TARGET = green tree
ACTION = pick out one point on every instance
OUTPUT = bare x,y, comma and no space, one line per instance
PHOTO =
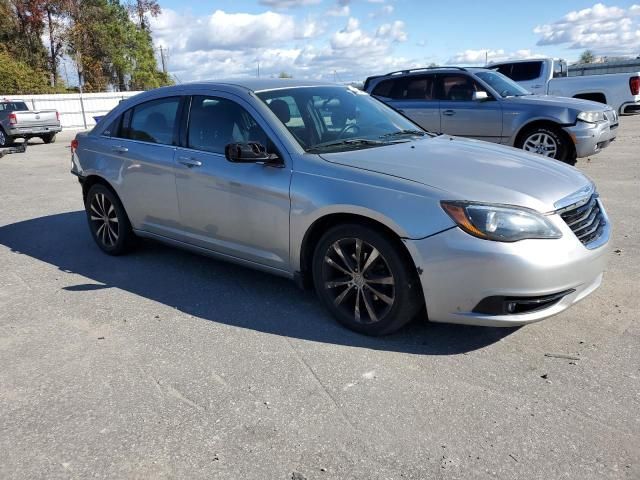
285,75
19,78
587,57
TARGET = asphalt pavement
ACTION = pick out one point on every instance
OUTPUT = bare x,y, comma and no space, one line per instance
164,364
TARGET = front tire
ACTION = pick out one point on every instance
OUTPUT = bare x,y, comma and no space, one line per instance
549,142
108,221
366,280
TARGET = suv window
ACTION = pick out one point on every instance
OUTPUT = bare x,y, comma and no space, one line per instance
215,122
414,87
457,88
153,121
525,71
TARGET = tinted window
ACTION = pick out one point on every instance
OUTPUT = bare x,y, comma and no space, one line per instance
458,88
383,89
503,69
14,106
525,71
153,121
216,122
415,87
113,130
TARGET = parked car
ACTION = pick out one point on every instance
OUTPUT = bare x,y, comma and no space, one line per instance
485,105
17,121
548,76
328,186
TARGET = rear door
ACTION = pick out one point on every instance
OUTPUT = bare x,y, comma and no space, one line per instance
236,209
461,115
414,96
141,145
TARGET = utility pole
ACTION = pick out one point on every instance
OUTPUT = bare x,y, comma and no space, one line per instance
486,57
164,63
80,71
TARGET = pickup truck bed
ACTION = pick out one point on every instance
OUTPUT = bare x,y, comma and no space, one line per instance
17,121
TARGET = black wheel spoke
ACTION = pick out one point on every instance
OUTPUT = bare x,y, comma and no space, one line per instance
366,298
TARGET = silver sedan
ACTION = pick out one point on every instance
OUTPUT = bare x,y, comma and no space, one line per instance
328,186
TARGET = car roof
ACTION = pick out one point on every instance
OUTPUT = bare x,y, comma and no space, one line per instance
261,84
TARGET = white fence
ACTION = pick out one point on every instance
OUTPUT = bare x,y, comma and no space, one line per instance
75,111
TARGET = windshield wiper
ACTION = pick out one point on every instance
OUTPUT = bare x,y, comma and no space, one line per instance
346,141
404,132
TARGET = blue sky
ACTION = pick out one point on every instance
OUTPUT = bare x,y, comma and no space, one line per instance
348,40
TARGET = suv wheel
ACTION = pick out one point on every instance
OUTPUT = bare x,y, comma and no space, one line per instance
548,142
108,222
365,281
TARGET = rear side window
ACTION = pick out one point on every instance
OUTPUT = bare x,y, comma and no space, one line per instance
415,87
215,122
383,89
153,121
503,69
525,71
14,106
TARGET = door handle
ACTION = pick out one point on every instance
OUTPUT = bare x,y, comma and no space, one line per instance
189,162
449,113
120,149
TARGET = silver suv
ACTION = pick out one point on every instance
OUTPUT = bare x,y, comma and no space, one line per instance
328,186
486,105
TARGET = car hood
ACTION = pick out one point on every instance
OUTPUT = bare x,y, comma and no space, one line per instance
471,170
561,102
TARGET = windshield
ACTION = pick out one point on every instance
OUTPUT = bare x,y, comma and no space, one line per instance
502,84
338,118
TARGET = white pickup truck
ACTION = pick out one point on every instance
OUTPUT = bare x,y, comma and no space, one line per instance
549,76
17,121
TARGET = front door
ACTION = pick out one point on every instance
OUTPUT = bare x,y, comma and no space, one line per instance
461,115
236,209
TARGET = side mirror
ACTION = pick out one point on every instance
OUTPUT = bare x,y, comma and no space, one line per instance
251,152
480,96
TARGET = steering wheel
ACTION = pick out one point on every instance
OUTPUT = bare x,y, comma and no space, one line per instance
350,126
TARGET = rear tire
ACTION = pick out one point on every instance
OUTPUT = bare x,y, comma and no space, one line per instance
365,279
5,140
548,142
51,138
108,221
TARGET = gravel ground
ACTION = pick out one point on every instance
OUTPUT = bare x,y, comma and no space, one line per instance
163,364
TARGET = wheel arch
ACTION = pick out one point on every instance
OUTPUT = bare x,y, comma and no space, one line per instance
91,180
599,97
314,233
541,123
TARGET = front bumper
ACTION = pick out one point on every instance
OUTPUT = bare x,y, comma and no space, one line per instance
591,138
458,271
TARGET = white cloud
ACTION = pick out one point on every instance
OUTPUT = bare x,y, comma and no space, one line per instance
384,11
225,44
282,4
603,29
339,11
477,57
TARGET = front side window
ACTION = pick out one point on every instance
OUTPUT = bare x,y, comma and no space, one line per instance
457,88
336,118
153,121
501,84
216,122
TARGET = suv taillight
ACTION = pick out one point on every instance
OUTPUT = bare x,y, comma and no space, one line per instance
74,145
634,85
13,119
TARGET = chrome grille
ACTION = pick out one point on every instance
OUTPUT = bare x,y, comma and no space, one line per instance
586,221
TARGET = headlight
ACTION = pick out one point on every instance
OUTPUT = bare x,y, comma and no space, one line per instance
591,117
499,222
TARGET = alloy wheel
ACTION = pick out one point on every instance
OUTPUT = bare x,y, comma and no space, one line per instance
104,218
3,138
359,280
542,144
